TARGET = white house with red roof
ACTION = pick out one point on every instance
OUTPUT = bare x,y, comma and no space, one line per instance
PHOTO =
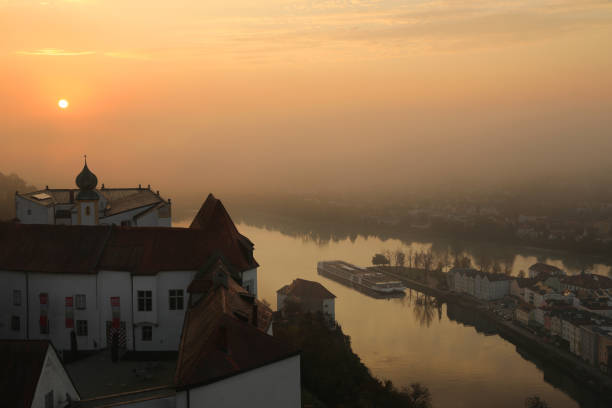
312,297
85,287
90,205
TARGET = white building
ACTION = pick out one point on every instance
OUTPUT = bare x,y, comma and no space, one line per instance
82,286
32,375
89,205
484,286
312,297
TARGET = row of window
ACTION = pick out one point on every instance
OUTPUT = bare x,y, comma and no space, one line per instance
80,301
145,300
81,326
175,300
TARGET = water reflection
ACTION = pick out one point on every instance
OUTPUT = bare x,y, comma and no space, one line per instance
514,258
414,338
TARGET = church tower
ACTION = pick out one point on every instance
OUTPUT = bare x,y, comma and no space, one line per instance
87,198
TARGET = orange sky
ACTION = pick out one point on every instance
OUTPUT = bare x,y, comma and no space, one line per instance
303,95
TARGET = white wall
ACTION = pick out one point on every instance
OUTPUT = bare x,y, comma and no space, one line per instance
82,207
249,280
58,287
10,281
171,321
53,377
39,214
115,284
274,385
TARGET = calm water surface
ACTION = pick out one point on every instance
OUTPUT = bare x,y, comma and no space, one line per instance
411,339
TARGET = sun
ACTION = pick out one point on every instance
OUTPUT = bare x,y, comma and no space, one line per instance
62,103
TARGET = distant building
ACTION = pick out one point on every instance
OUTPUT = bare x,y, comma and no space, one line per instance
89,205
484,286
32,375
83,286
312,297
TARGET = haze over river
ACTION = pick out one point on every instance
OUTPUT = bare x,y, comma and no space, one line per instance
411,339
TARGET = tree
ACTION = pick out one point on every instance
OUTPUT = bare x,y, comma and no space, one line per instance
380,259
399,257
535,402
427,260
419,395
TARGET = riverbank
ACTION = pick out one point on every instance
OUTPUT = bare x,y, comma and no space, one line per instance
571,365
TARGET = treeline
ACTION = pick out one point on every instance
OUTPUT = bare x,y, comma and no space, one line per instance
332,374
9,184
442,261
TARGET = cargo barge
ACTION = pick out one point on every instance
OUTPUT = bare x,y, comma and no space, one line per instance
371,283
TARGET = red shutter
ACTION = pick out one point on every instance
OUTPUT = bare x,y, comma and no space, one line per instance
116,310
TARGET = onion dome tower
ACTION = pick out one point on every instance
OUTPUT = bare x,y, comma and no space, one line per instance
87,182
87,199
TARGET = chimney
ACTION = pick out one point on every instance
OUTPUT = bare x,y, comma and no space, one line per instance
169,201
255,317
157,193
46,187
139,186
102,186
72,196
149,186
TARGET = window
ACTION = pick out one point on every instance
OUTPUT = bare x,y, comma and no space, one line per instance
87,211
16,297
145,301
176,299
81,328
29,212
126,223
147,333
80,301
15,323
49,399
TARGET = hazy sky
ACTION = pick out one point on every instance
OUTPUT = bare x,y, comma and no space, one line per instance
304,95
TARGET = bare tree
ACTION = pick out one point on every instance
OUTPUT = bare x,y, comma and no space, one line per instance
400,258
427,260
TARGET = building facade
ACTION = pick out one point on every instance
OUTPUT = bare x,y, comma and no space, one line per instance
90,205
84,287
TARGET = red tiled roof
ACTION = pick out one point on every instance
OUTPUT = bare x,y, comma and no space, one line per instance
545,268
588,281
51,248
302,288
143,251
220,338
21,363
213,216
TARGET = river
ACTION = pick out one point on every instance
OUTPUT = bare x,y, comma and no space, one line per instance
411,339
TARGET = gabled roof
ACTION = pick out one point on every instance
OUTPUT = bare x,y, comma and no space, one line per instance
21,364
223,335
306,289
118,200
213,216
141,251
